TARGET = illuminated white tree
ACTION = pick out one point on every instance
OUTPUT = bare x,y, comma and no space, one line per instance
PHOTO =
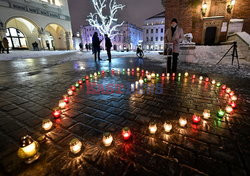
106,24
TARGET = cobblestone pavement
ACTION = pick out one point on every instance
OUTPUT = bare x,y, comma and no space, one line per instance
31,88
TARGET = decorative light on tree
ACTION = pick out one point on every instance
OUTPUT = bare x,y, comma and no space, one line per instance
106,24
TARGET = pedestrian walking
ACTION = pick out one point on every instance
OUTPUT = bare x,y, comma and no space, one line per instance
1,47
81,46
48,45
174,35
108,45
96,46
6,44
87,47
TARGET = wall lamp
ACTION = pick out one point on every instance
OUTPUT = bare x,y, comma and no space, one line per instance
204,8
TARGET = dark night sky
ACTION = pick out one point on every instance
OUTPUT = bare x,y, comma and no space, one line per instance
135,12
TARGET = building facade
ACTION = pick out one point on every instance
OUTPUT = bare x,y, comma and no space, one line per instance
46,22
210,21
153,32
128,36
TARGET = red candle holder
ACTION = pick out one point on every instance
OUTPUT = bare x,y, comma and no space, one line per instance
57,113
103,72
163,75
80,82
223,87
207,79
233,104
87,77
142,71
126,133
73,88
66,98
231,93
70,92
193,77
133,70
173,74
196,118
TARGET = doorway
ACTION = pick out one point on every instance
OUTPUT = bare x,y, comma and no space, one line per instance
210,35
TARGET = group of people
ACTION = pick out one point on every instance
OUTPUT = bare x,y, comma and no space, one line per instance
96,42
4,45
35,46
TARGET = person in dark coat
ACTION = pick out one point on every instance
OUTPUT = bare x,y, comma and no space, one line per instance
96,45
81,46
108,46
6,44
87,47
1,47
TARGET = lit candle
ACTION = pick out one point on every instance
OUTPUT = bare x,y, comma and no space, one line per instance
229,109
220,113
152,128
167,127
163,75
133,70
233,104
137,69
80,81
145,80
118,71
90,75
103,72
201,78
123,70
66,98
213,82
179,74
99,73
62,104
207,79
157,75
75,146
168,74
196,118
47,124
136,84
223,87
56,113
73,88
132,87
70,92
77,85
95,74
173,74
206,114
126,133
228,90
141,81
142,71
186,74
231,93
234,98
107,139
28,150
128,70
146,72
218,84
182,122
87,77
193,77
153,75
149,77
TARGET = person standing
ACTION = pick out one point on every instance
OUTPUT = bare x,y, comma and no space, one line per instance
96,46
81,46
87,47
6,44
108,45
1,47
174,35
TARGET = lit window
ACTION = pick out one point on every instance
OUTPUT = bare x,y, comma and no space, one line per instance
16,38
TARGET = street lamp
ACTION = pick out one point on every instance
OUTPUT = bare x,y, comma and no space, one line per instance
230,6
204,8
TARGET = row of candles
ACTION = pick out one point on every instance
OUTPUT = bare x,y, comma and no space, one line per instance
29,147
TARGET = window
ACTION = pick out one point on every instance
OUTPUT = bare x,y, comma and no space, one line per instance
156,38
147,31
152,39
152,30
156,31
161,30
147,39
16,38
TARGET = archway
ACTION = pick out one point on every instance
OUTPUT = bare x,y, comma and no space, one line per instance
21,33
55,37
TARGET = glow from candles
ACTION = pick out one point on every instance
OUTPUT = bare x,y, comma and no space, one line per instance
179,74
77,85
234,98
128,70
201,78
132,87
229,109
107,139
57,113
133,70
223,87
47,124
149,77
163,75
182,122
186,74
153,75
233,104
146,72
141,81
73,88
137,69
193,77
220,113
168,74
80,82
196,118
75,146
126,133
173,74
95,74
213,82
207,79
167,127
62,104
152,128
228,90
70,92
206,114
231,93
218,84
65,98
87,77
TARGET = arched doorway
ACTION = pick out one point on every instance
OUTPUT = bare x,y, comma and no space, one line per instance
210,35
55,37
21,33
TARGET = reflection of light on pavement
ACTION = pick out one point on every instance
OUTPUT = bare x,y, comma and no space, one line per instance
79,65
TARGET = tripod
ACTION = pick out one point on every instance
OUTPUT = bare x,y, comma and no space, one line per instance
234,54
